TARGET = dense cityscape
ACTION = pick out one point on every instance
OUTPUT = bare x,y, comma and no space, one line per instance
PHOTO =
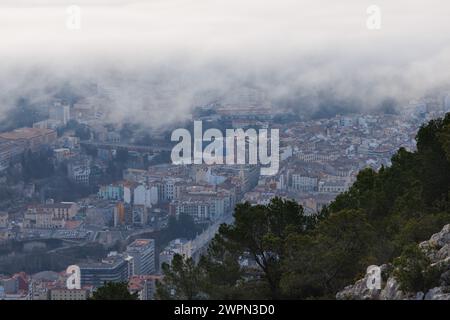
77,190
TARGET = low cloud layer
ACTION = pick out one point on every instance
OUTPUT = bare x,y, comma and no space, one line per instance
159,58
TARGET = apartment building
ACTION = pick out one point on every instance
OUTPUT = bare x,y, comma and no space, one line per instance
31,138
143,253
49,216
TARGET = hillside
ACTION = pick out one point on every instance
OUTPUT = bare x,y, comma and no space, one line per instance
421,273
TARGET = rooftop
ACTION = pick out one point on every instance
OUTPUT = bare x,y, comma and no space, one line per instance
25,133
110,262
65,205
140,243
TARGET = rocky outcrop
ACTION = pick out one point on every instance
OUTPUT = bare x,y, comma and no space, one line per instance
437,249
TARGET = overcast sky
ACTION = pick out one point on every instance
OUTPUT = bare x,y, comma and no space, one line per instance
289,47
219,27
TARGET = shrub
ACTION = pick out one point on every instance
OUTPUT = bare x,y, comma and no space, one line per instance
414,272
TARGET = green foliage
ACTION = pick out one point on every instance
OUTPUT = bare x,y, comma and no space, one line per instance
261,232
326,259
60,188
115,168
91,151
182,226
222,273
114,291
6,193
83,132
122,155
417,229
126,132
181,280
408,201
37,165
414,272
435,167
23,114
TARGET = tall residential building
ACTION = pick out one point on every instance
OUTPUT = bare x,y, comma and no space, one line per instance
114,268
143,253
145,195
59,111
119,214
111,192
139,215
249,176
303,183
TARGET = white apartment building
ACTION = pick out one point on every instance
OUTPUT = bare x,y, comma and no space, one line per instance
303,183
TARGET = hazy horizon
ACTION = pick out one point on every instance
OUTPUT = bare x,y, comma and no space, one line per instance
167,54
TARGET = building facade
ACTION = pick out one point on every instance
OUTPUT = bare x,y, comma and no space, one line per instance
49,216
143,253
111,269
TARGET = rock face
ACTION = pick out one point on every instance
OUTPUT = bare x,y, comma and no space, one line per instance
437,249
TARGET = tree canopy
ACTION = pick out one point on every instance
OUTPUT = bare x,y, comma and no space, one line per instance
114,291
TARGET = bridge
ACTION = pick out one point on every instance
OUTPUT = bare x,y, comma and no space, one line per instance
129,147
